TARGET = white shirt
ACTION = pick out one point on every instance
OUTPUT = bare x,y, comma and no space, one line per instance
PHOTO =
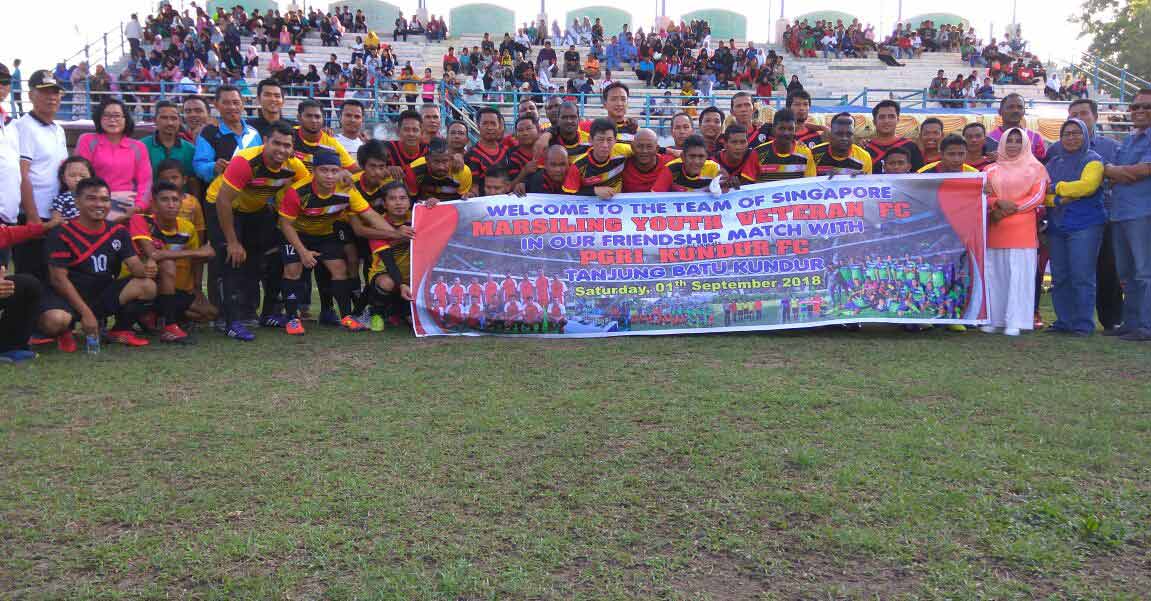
44,147
473,86
9,171
350,144
132,30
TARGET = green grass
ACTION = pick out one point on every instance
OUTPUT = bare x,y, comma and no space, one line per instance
802,465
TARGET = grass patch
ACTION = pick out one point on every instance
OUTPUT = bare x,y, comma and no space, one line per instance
798,465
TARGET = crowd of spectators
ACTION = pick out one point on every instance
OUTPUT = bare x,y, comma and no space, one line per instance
679,56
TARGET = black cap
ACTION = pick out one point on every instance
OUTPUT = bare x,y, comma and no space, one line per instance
42,80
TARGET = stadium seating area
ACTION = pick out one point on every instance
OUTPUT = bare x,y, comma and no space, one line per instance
827,80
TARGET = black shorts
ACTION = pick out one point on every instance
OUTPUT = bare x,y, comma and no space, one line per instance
343,230
103,300
183,301
330,247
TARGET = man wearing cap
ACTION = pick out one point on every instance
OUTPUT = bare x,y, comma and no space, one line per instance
43,147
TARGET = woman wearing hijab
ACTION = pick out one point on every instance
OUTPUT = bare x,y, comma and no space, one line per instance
1075,219
1017,185
274,65
252,62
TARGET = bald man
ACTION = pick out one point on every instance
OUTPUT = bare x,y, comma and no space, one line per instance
644,165
550,179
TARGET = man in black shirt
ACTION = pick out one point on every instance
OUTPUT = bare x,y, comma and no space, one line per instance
571,61
401,28
271,99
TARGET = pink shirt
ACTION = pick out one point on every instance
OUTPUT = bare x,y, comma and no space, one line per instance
1018,230
124,165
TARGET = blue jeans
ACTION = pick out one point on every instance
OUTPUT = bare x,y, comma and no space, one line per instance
1074,256
835,50
1133,262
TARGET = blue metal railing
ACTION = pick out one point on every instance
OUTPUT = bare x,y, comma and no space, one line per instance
1109,77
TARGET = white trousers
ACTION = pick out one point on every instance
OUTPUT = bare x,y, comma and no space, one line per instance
1011,287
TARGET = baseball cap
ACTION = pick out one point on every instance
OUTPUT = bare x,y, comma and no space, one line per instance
42,80
325,158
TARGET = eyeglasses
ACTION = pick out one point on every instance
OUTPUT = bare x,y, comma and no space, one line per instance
1141,106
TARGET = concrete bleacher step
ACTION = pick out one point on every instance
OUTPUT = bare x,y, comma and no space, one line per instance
829,79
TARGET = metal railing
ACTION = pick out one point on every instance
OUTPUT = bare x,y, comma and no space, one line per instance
1108,77
110,46
383,103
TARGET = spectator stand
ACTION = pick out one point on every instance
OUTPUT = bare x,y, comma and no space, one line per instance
835,83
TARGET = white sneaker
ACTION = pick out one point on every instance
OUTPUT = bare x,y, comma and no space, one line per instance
1011,332
989,330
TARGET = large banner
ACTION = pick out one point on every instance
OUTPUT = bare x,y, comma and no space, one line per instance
904,249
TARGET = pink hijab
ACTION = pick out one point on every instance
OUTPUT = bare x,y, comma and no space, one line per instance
274,64
1013,178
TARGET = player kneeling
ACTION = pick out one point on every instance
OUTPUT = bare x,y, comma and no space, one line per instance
309,211
173,243
84,260
389,279
557,316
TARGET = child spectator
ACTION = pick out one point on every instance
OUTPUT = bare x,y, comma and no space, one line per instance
72,170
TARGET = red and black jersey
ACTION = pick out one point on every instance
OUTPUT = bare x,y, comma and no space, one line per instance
808,137
397,156
637,180
878,151
735,167
757,137
982,163
517,157
538,183
479,160
93,257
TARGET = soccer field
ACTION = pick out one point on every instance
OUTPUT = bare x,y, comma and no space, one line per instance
802,465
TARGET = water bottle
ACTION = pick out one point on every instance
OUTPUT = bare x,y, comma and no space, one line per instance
92,344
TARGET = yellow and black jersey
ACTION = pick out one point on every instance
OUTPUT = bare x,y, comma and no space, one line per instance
858,161
577,147
672,177
935,168
625,130
373,196
256,183
771,165
314,214
392,258
585,174
305,150
146,230
452,187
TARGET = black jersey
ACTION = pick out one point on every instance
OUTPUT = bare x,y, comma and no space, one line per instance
93,257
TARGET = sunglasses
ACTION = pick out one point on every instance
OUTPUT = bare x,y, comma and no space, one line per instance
5,81
1141,107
